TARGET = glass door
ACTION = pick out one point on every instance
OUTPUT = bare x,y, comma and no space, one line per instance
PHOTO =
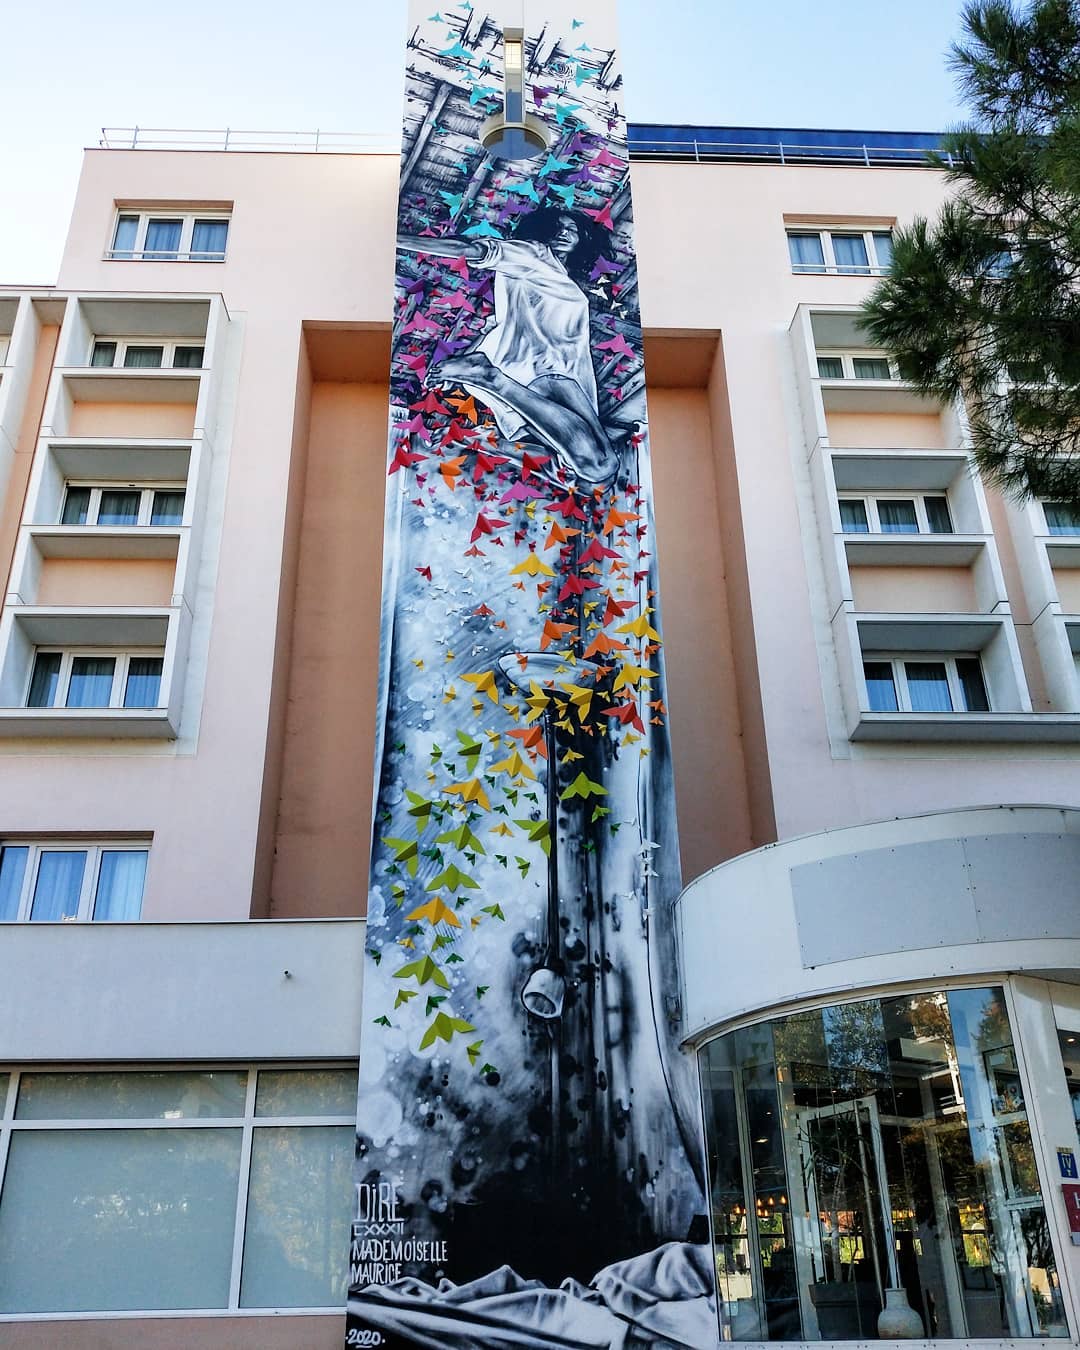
841,1156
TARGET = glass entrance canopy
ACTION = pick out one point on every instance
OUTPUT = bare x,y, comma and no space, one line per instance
874,1146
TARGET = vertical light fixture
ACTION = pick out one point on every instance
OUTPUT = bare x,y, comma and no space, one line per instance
511,134
514,74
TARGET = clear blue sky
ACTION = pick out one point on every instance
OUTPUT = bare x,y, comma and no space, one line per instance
73,67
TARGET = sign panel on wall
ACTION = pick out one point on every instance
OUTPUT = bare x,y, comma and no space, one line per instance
528,1169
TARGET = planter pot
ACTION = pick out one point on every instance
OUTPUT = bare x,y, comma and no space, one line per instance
898,1320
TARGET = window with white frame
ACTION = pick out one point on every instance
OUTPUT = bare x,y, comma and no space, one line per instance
931,683
909,513
179,1189
5,342
169,236
856,365
840,252
67,882
131,504
142,353
75,677
1061,517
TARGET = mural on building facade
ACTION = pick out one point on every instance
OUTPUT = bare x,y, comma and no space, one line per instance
528,1169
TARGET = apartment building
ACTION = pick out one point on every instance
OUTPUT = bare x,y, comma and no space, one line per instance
874,698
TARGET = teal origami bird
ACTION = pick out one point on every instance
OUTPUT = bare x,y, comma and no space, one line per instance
483,230
554,165
524,190
565,194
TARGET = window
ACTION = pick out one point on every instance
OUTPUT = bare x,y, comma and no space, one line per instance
925,684
921,513
176,1189
59,882
4,344
1061,518
840,252
130,505
857,365
146,354
95,679
170,236
875,1144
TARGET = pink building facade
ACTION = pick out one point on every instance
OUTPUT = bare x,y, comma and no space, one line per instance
874,708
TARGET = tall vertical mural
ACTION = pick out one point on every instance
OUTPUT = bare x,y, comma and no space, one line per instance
528,1169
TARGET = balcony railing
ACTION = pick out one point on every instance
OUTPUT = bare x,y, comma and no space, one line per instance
700,144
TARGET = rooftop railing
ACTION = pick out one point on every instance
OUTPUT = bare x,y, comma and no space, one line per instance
699,144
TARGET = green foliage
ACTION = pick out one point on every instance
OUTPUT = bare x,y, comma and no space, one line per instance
983,304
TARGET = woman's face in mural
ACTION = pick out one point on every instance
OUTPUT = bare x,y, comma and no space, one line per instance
567,237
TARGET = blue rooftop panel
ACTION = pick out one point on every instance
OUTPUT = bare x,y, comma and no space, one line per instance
783,144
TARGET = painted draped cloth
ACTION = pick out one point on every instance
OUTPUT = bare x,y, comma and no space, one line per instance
659,1301
541,325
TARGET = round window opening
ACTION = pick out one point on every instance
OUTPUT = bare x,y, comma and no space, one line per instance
503,139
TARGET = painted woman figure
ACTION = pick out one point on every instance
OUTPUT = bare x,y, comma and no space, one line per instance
534,368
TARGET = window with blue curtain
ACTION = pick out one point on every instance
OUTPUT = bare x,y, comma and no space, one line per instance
880,686
91,682
162,239
143,682
127,231
119,507
937,515
897,517
928,686
12,870
849,250
58,885
76,506
853,517
208,240
143,358
1061,519
806,252
168,508
883,248
44,680
871,368
120,886
972,684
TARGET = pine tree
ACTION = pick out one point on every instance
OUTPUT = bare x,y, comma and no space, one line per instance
983,304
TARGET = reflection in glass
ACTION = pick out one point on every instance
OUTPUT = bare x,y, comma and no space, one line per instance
306,1092
165,1095
1069,1041
870,1146
133,1218
298,1217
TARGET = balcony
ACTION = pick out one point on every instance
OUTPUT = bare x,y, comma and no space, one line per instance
102,633
970,681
